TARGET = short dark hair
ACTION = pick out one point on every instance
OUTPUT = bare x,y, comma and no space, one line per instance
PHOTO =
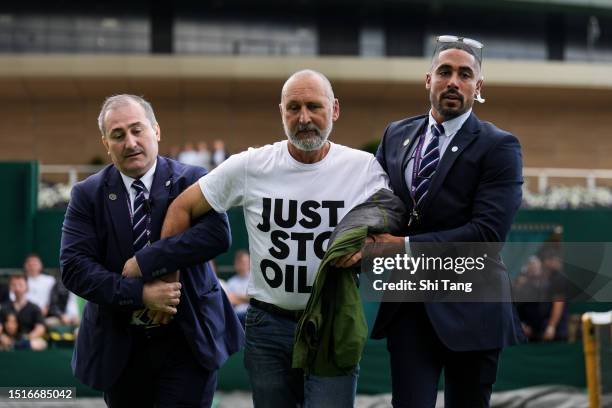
5,316
240,253
17,276
32,255
458,45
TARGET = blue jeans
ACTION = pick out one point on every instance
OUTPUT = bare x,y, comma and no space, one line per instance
267,358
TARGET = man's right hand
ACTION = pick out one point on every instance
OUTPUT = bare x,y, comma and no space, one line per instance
158,317
351,259
161,296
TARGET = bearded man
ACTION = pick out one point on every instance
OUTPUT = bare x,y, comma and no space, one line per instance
293,192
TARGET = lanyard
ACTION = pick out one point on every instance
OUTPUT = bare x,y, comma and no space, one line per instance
417,163
414,215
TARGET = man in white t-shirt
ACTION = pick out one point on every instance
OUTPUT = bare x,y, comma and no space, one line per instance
39,284
293,192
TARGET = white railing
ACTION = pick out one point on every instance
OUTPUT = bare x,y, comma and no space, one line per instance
543,174
72,171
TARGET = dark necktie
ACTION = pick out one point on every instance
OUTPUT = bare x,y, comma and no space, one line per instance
140,234
139,217
428,165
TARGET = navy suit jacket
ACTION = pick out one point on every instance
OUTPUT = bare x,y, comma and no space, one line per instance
473,197
96,242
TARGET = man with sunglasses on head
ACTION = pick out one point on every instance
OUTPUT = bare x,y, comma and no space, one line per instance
460,179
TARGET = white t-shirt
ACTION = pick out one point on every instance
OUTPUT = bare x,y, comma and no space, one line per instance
39,290
239,285
290,211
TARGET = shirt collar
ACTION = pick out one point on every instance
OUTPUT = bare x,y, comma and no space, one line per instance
451,127
147,179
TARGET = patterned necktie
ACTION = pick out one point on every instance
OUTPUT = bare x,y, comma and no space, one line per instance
428,165
140,238
139,217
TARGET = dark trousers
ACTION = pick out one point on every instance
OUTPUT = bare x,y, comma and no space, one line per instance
267,358
162,372
418,357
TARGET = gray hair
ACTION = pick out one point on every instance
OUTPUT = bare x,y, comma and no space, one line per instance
311,72
116,101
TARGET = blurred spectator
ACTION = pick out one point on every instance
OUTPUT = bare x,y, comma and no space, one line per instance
30,327
219,153
203,155
11,338
526,286
4,293
39,284
188,155
63,307
556,326
9,331
237,285
174,152
541,279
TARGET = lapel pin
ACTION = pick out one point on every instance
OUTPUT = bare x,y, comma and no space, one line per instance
454,149
112,196
406,142
167,183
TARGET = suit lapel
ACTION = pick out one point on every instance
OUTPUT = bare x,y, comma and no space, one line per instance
116,201
160,191
466,135
405,143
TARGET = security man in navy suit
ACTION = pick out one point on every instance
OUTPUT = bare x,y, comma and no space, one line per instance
460,179
157,337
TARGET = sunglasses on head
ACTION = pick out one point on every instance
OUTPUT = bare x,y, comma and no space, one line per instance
453,38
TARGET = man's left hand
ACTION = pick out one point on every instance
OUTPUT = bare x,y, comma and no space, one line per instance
131,269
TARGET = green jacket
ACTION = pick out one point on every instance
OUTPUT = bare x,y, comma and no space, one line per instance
332,332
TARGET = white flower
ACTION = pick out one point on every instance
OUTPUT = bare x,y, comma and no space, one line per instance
55,195
560,197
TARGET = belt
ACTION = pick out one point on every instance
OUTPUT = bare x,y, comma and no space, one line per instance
294,315
154,332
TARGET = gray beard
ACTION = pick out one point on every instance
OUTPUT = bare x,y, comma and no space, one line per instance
311,143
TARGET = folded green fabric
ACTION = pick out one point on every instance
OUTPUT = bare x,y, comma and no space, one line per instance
332,332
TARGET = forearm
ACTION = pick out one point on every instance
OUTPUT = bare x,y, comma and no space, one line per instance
96,284
182,246
38,331
209,238
187,207
240,299
556,313
178,219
